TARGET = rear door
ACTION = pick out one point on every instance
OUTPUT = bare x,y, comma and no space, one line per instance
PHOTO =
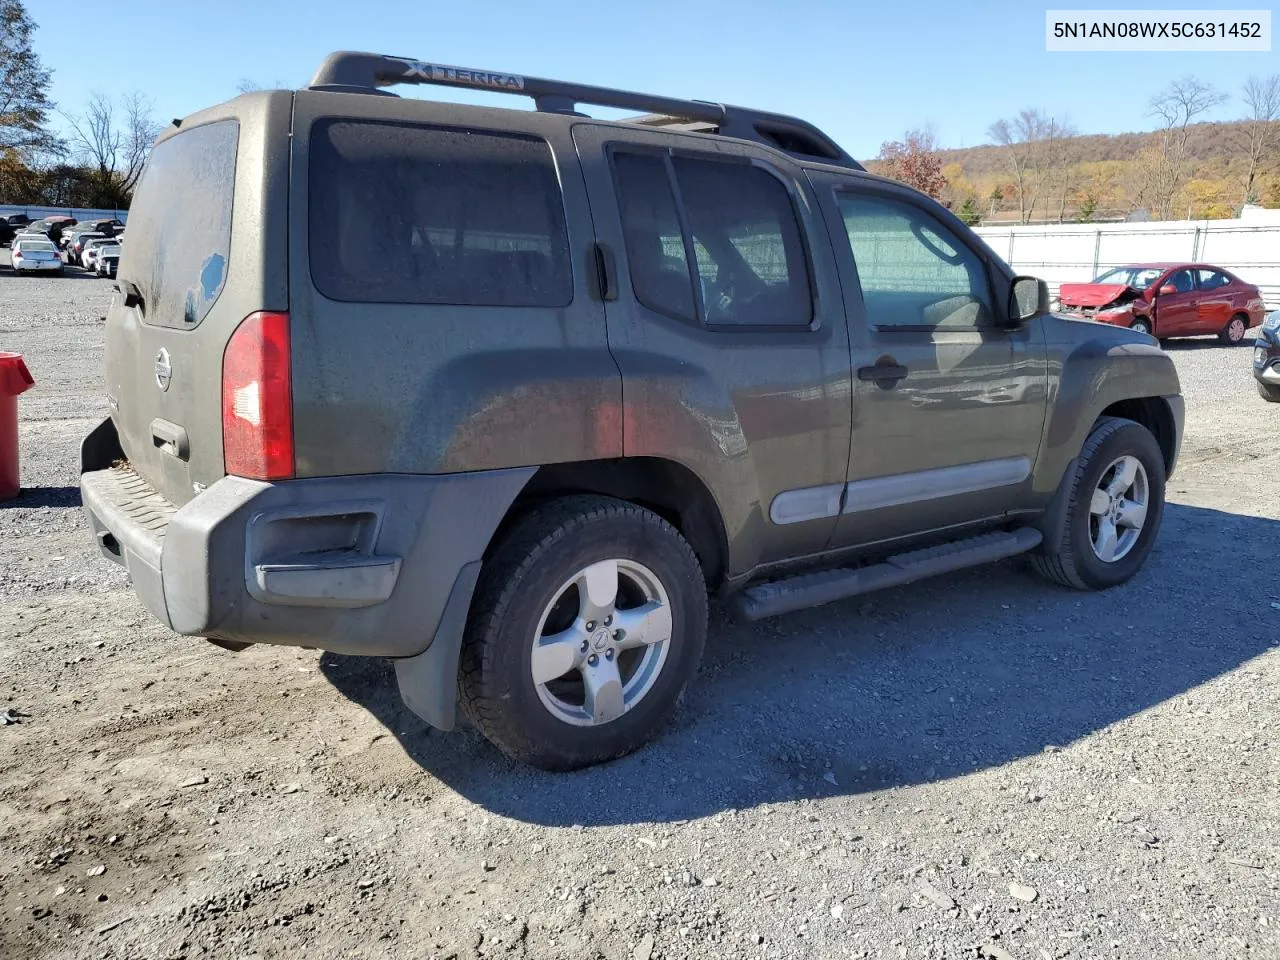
1177,313
727,323
1217,300
206,234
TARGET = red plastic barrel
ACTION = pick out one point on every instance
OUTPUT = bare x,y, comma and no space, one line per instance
14,379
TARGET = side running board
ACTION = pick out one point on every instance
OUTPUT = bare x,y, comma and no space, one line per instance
825,586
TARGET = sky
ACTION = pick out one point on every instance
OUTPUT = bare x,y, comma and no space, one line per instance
863,72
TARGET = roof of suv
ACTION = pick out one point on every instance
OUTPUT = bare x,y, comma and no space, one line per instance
370,74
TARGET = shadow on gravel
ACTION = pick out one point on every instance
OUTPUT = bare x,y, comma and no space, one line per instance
1203,343
44,497
903,687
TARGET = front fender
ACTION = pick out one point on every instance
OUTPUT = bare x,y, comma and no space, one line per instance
1091,367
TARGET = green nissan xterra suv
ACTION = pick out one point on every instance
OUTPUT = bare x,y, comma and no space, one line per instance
503,394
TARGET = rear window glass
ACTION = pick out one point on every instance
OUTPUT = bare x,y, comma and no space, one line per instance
180,224
410,214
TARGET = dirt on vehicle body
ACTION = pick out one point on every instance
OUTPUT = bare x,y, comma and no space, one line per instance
503,395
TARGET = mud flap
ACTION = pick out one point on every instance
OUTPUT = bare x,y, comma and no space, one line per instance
429,682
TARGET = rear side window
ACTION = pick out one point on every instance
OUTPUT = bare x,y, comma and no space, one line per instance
737,224
411,214
180,224
1212,279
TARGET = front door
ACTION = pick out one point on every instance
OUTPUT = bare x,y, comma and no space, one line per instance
949,401
1177,312
724,315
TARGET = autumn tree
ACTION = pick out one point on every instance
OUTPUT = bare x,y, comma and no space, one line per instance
1260,135
113,140
1176,108
968,213
913,160
24,84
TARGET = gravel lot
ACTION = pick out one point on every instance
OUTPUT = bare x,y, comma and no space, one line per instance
981,766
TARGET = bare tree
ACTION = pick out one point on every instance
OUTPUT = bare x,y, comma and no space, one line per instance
1261,132
1060,162
113,142
1176,107
1024,142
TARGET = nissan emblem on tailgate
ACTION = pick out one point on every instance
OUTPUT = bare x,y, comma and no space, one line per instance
164,369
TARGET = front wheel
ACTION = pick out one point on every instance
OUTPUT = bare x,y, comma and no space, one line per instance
1113,512
1268,392
1233,333
1141,326
587,624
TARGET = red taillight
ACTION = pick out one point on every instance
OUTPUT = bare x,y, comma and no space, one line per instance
257,400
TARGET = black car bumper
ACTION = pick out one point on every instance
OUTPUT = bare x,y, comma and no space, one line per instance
1266,356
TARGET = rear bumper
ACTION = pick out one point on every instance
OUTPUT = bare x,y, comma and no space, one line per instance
356,565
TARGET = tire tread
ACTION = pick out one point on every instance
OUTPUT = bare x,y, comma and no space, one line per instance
501,581
1056,563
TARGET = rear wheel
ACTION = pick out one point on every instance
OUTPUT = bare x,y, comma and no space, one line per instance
1269,393
1114,509
588,623
1141,326
1233,332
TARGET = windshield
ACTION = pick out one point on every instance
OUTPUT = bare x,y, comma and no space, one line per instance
1137,277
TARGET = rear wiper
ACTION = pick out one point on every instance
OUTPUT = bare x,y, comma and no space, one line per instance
132,295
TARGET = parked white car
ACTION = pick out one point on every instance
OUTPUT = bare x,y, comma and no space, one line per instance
89,255
35,256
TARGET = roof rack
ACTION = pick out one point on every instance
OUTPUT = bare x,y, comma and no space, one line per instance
351,72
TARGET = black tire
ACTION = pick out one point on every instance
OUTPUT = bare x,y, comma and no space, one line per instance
535,558
1233,333
1269,393
1071,561
1141,326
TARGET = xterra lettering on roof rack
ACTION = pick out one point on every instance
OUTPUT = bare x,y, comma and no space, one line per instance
351,72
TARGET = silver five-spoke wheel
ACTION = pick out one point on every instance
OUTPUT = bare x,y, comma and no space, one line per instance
1118,509
601,642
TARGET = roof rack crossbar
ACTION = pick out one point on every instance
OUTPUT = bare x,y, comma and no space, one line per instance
371,72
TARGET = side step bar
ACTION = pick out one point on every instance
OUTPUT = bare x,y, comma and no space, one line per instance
825,586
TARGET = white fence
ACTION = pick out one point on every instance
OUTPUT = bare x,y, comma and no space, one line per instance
1072,252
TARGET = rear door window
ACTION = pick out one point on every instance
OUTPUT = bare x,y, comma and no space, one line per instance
401,213
1212,279
180,224
734,221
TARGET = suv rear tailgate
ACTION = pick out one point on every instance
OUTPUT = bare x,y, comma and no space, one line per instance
206,248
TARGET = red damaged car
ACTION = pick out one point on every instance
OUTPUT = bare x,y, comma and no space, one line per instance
1168,300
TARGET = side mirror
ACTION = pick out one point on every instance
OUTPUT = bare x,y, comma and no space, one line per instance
1168,290
1028,297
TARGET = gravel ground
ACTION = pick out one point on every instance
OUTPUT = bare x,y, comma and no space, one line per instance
980,766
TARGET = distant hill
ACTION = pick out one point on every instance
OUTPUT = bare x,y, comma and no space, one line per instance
1100,176
1207,143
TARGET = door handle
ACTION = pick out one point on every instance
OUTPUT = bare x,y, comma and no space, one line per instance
885,374
171,439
